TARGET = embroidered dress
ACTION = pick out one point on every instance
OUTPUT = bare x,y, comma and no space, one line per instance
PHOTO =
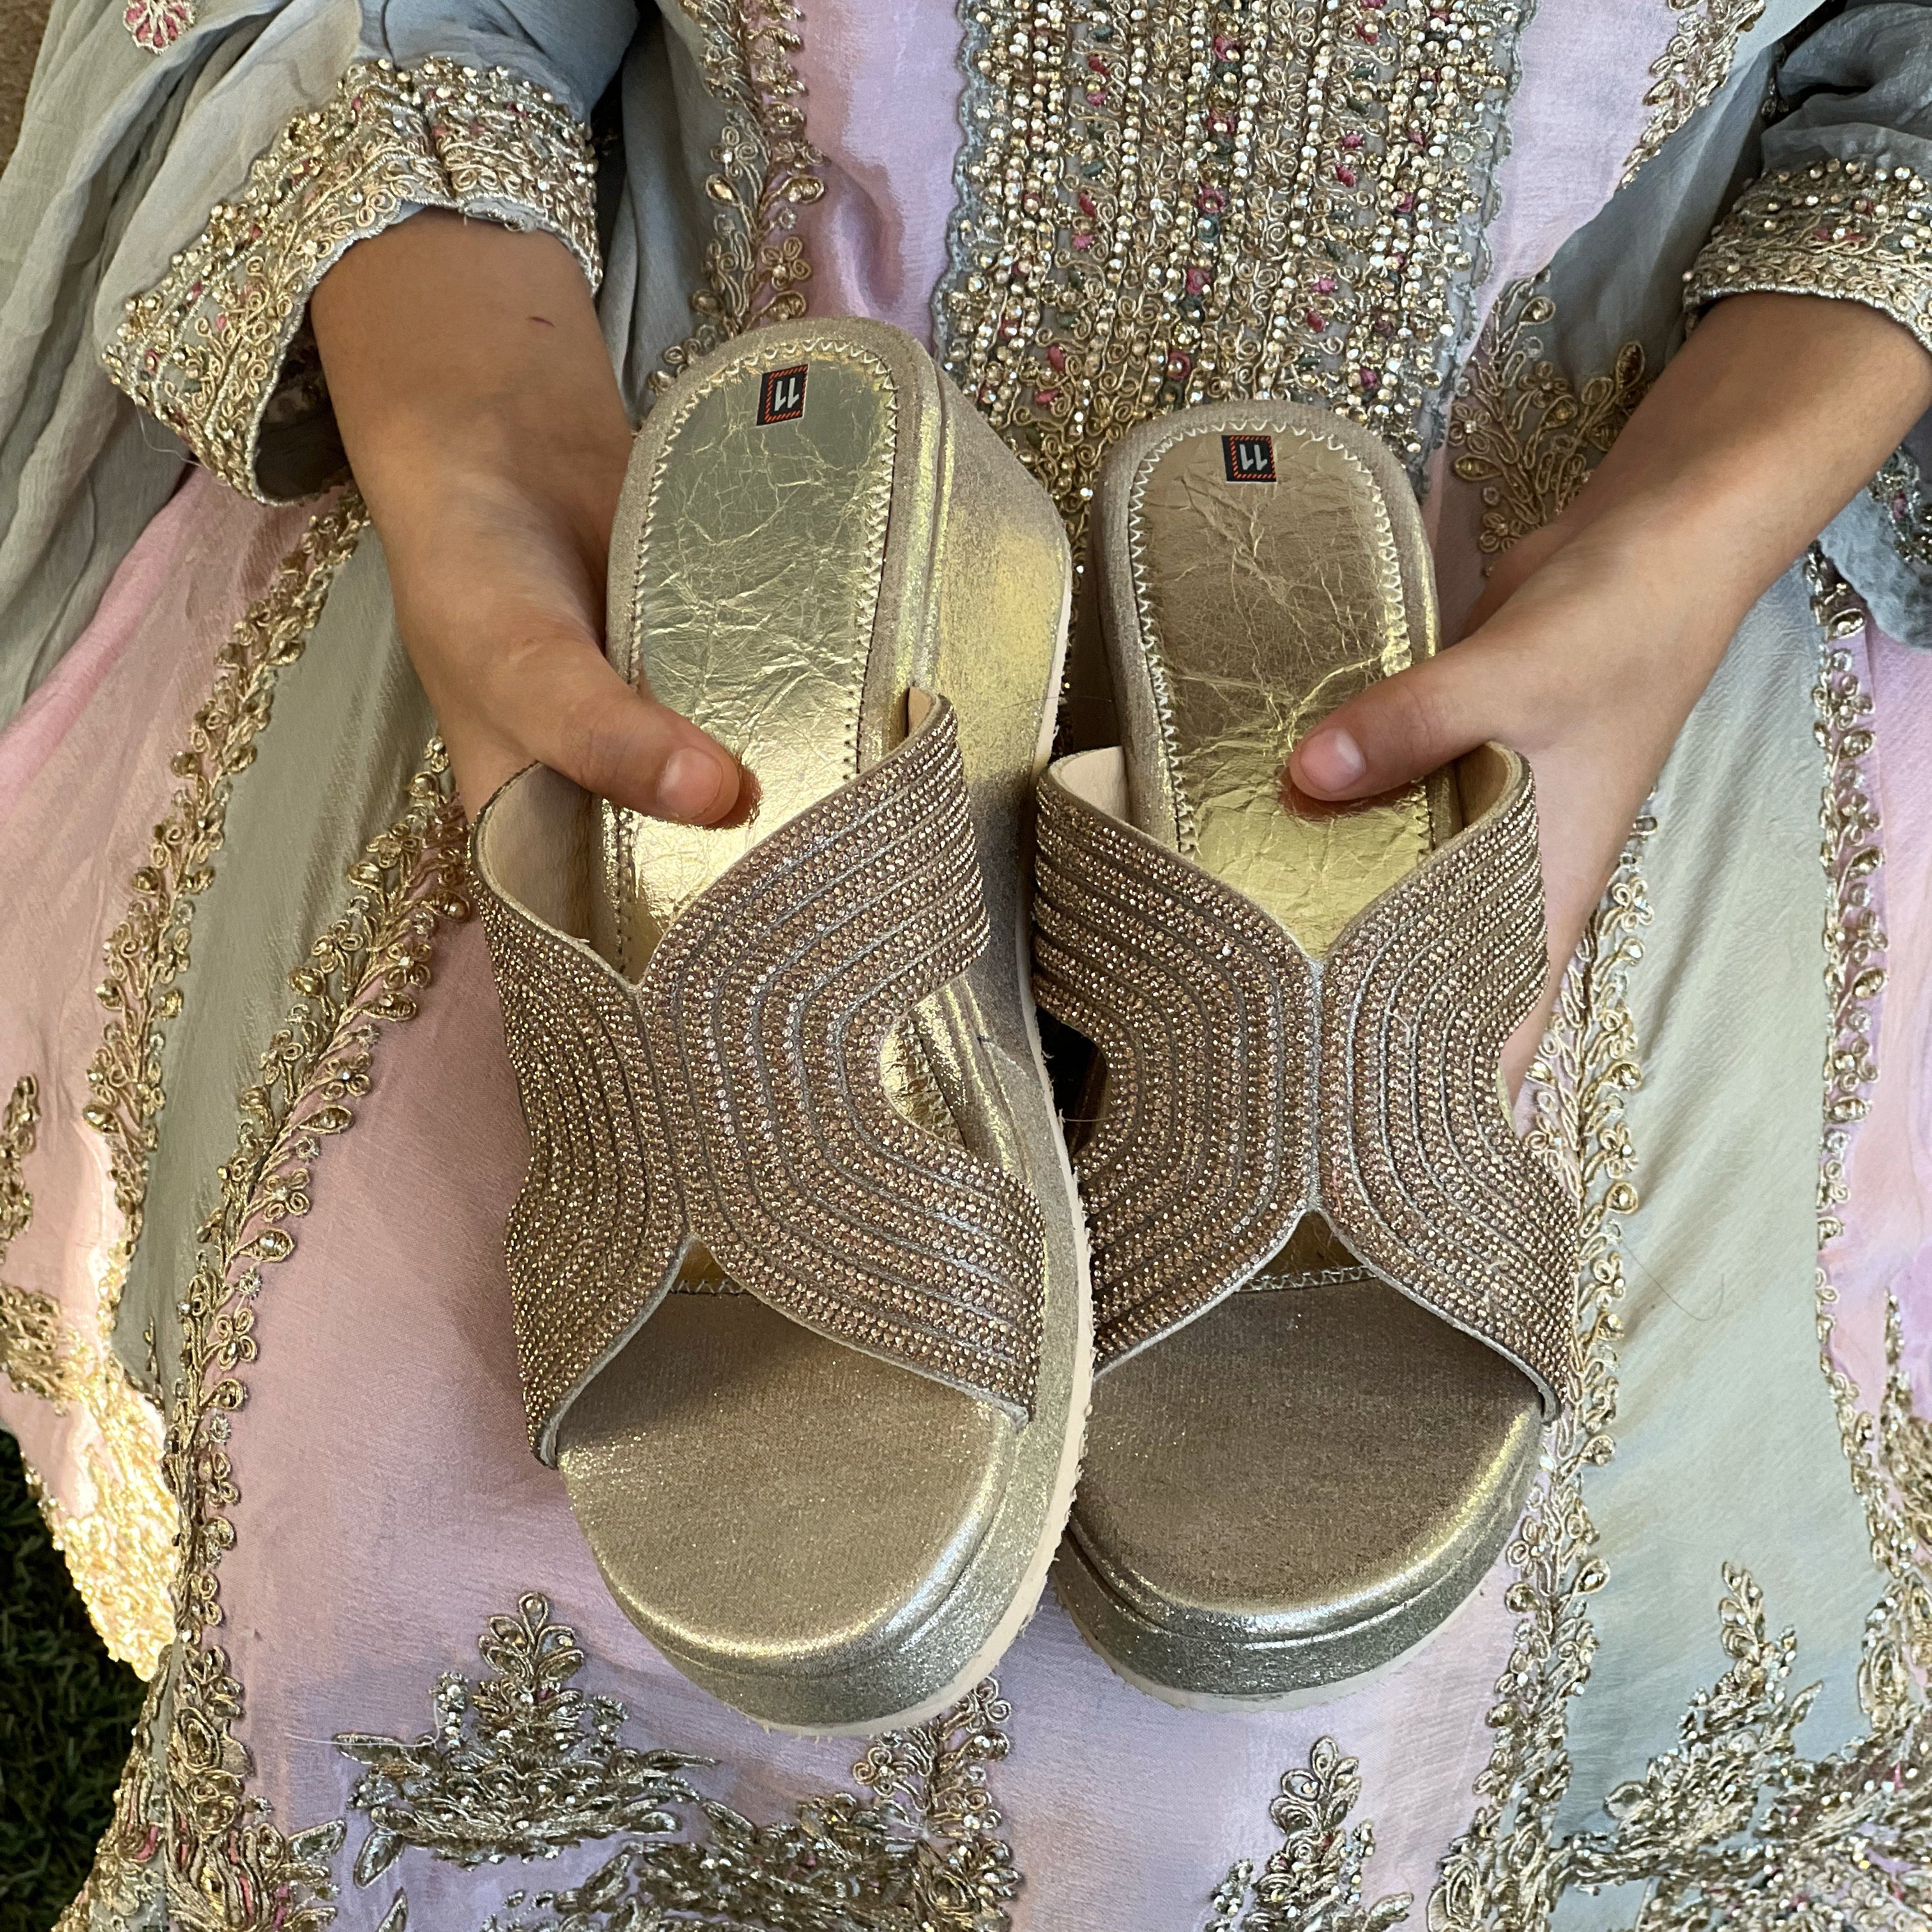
258,1131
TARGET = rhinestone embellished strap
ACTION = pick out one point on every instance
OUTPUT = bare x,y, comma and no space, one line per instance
735,1096
208,349
1423,1173
1850,230
1246,1084
1200,1162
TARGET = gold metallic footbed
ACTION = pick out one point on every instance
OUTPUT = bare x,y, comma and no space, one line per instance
1295,1468
820,1431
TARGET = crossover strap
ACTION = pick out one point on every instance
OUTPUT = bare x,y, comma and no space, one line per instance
1423,1173
746,1069
1245,1083
1200,1159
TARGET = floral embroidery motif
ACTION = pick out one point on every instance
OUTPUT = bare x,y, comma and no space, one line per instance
1695,63
519,1765
522,1765
204,350
1842,228
1314,1882
1169,204
1505,1872
1899,490
187,1828
156,25
118,1543
1520,430
1734,1827
147,953
766,170
34,1356
921,1854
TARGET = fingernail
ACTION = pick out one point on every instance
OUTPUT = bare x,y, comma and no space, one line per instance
1330,760
691,786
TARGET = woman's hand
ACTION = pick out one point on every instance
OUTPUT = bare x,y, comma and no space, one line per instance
475,398
1598,635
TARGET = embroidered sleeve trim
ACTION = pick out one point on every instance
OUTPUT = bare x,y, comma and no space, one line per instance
1847,229
219,350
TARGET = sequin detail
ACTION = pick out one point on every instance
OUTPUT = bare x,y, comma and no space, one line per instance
734,1095
1520,430
523,1764
1899,490
1422,1171
765,170
204,350
1201,1160
1841,229
1695,63
1174,203
1313,1883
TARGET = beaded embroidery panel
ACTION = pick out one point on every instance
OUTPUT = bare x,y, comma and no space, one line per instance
1173,203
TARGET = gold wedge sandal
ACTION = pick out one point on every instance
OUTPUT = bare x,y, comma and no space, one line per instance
1299,1014
798,1268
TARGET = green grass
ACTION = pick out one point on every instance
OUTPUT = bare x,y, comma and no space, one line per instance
66,1710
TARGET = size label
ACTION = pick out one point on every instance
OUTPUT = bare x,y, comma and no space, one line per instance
781,395
1250,459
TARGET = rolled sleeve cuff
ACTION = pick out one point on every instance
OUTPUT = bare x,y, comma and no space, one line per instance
1852,230
219,349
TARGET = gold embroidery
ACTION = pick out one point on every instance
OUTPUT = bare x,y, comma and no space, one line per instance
1886,1461
766,171
1315,1879
520,1766
186,1827
1899,490
921,1854
1521,431
1851,852
1504,1873
1841,229
204,349
34,1356
1695,63
1733,1828
147,952
120,1550
119,1546
1168,204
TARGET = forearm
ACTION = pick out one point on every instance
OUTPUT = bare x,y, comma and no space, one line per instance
450,343
1775,411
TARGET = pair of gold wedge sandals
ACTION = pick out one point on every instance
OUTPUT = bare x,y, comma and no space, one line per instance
809,1310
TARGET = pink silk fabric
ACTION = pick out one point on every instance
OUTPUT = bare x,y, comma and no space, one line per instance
388,1505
